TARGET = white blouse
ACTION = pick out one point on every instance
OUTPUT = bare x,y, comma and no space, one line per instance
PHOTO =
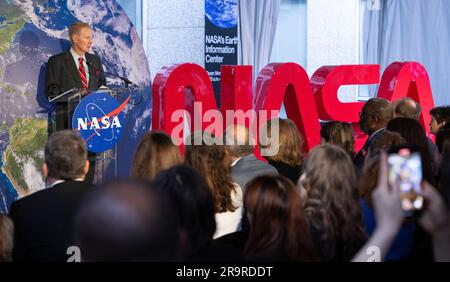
230,221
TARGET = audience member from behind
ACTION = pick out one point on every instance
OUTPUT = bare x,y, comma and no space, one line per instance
340,134
440,117
443,148
194,205
443,142
369,177
435,219
127,220
331,204
325,131
290,156
368,181
383,143
6,238
195,208
406,107
278,227
374,116
43,220
402,246
245,165
214,164
415,135
154,153
444,180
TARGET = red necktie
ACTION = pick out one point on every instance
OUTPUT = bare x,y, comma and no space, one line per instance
82,73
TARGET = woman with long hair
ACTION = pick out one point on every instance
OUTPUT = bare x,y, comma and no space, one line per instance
214,163
331,204
278,227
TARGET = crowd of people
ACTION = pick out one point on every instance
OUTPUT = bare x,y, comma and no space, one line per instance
222,203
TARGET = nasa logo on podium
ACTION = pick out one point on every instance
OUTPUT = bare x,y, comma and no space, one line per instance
100,119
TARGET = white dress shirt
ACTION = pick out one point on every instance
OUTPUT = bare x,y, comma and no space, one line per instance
77,62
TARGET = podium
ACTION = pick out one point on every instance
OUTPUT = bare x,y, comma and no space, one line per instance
66,104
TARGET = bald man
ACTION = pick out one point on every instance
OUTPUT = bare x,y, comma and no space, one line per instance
406,107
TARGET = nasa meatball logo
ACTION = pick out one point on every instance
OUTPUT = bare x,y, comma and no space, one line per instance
100,119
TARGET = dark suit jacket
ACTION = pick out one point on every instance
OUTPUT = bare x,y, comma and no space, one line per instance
358,161
43,222
62,75
249,167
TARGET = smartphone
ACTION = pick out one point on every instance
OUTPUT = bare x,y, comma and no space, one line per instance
405,170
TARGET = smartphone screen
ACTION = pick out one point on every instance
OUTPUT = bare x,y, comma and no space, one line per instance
405,169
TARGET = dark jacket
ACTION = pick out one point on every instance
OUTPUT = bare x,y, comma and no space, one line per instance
43,222
62,73
291,172
358,161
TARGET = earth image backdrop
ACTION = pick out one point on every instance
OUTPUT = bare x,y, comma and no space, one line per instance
32,31
222,13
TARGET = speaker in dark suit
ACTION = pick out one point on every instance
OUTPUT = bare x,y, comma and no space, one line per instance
43,220
75,68
63,74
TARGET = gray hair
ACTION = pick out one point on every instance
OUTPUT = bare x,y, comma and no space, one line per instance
65,155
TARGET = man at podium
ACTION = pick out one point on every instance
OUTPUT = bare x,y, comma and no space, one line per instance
75,68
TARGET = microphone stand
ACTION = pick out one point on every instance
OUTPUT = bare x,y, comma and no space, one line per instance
125,80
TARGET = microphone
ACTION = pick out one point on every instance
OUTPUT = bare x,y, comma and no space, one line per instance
99,71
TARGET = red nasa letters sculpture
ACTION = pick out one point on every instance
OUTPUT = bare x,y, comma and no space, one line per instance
178,86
